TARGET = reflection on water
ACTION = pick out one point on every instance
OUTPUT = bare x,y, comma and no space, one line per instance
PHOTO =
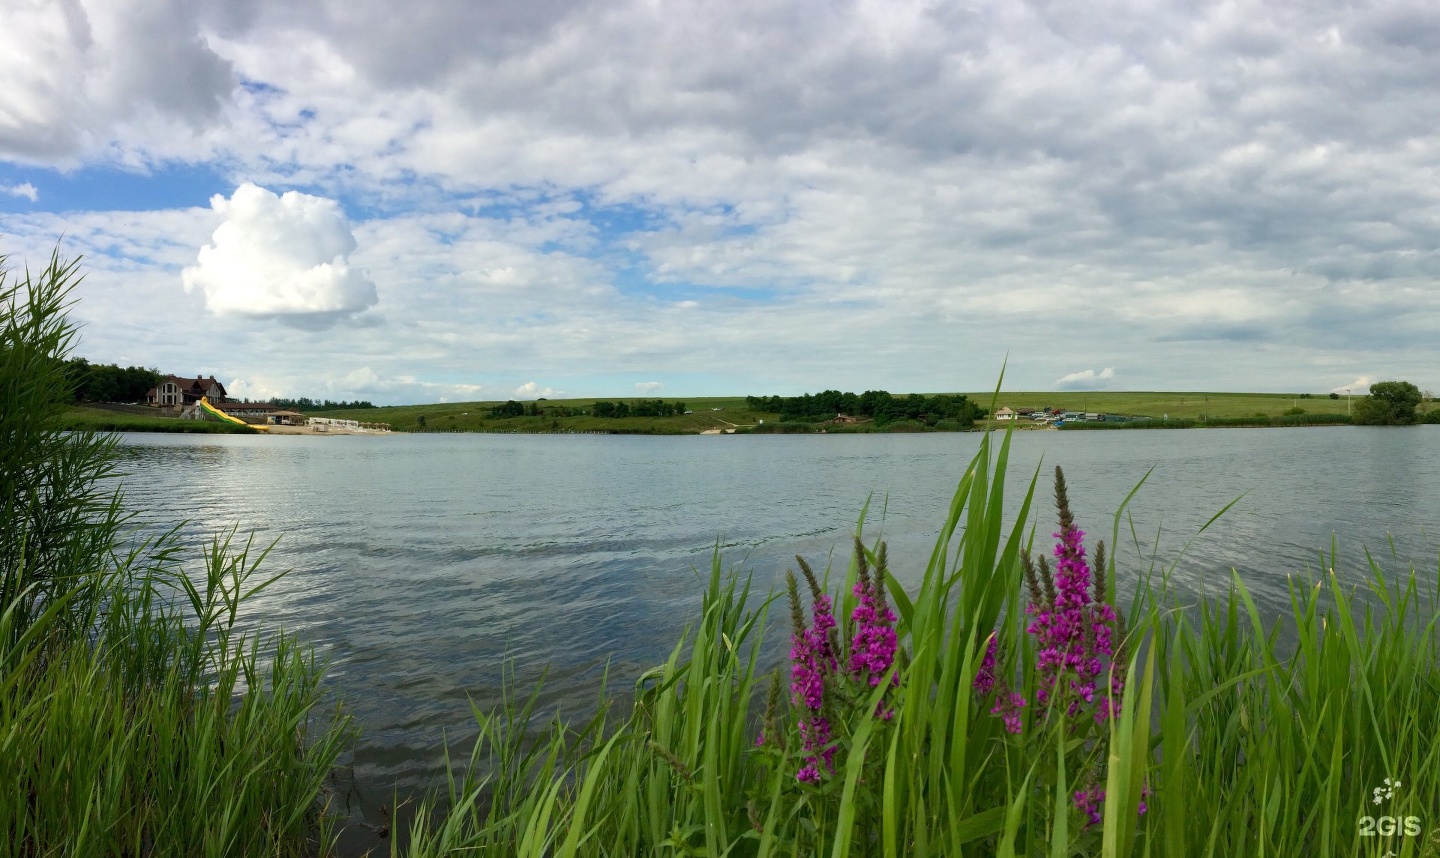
422,565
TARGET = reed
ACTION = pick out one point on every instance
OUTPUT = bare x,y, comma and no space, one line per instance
135,718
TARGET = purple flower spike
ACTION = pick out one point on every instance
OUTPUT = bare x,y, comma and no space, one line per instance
872,650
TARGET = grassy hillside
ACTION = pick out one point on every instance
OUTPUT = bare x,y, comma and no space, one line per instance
731,412
1177,405
708,413
100,420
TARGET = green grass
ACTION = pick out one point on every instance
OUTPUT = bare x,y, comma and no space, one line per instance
80,418
473,416
167,732
709,413
1185,405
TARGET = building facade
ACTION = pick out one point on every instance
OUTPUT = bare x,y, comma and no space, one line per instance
177,392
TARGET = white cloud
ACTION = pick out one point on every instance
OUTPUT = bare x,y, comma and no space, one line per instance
1086,379
284,258
531,390
1358,387
255,390
649,386
364,379
25,190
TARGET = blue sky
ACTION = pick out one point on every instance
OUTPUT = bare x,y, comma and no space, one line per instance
552,198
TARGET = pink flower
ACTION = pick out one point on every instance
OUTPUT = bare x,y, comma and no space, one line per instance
1075,634
812,660
872,649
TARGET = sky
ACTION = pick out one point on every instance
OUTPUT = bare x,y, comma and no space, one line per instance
454,200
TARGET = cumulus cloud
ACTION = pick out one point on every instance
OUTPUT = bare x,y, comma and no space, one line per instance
25,190
532,390
1086,379
256,390
281,257
649,386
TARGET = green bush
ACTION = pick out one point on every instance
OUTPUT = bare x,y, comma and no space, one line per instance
1390,403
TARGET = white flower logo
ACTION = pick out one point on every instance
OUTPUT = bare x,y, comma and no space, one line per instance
1386,792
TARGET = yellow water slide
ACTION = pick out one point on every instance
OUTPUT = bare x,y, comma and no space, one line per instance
205,405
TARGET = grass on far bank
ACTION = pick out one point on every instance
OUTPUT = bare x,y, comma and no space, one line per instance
721,413
726,413
1181,405
80,418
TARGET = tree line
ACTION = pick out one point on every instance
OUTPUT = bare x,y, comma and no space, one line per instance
305,403
639,408
108,382
876,405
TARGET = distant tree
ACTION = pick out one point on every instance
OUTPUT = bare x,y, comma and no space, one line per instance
1334,396
877,405
1389,403
511,408
420,421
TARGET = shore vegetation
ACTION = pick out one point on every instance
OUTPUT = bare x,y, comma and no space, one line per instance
97,419
900,413
136,717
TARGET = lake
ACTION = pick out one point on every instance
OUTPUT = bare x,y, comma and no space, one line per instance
424,564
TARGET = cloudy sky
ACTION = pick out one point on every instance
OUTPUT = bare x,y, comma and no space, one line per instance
458,199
